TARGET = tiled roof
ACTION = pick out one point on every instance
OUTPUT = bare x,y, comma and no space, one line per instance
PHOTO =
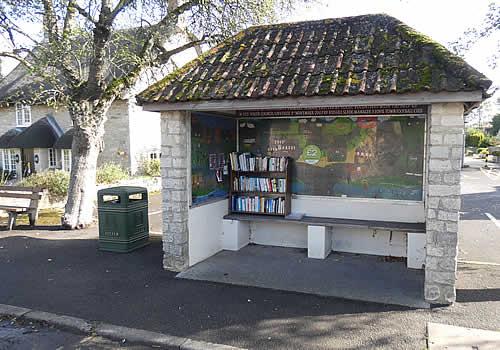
370,54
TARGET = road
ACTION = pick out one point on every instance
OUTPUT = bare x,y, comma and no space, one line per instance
479,228
63,272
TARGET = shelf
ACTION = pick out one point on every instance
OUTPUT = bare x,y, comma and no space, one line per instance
266,174
256,213
260,194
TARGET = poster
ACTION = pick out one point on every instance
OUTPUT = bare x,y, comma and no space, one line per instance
212,139
362,157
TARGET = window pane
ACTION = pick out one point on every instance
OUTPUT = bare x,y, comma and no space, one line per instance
363,157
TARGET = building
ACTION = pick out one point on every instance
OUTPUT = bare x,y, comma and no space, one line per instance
371,115
35,136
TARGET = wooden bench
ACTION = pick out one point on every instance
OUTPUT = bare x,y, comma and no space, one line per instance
17,200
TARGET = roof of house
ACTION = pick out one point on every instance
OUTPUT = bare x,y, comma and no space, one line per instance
41,134
370,54
9,135
65,141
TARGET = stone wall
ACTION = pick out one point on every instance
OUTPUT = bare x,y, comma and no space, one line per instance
445,139
175,131
117,139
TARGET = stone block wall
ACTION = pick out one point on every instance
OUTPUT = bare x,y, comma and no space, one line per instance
445,139
175,129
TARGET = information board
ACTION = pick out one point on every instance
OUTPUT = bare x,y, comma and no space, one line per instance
364,157
212,139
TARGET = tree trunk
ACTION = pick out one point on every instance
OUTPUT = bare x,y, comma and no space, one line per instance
87,144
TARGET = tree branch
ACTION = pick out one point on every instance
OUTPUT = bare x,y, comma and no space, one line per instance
122,4
84,13
49,21
18,58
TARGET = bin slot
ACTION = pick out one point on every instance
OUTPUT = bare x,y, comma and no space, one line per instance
135,197
111,198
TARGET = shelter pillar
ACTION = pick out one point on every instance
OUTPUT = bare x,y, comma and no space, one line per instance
175,130
444,154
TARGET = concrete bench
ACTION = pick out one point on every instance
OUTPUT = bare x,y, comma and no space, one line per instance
319,233
17,200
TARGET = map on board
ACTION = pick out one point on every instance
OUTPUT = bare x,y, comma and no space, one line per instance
364,157
212,139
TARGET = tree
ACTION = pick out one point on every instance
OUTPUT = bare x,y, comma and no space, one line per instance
488,27
474,138
495,125
91,52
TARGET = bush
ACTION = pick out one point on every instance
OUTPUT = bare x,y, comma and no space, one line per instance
110,173
496,153
474,138
56,182
151,167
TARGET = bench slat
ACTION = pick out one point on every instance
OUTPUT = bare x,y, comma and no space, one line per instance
320,221
20,189
14,208
20,195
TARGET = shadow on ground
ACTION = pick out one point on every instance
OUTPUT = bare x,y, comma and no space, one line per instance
70,276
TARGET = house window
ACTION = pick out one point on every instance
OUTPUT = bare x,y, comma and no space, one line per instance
155,155
23,115
52,158
66,160
8,160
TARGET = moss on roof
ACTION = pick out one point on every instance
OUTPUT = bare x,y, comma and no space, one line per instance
370,54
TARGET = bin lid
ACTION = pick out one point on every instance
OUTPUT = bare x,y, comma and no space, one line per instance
123,190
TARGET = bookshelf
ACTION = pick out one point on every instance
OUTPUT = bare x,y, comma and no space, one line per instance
259,185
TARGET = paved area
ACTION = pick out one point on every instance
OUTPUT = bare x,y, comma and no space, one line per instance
352,276
63,272
19,336
446,337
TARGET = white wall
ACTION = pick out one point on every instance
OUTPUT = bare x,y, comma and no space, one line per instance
145,135
344,239
360,208
43,159
278,234
205,230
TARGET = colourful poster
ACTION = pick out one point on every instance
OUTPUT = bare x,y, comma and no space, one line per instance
212,139
364,157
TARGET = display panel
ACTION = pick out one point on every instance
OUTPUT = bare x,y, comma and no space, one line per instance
212,139
363,157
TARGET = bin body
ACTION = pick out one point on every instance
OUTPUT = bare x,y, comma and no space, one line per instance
123,218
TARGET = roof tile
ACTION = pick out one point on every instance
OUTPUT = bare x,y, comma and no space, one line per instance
372,54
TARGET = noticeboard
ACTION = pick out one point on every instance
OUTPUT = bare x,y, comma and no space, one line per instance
212,139
363,157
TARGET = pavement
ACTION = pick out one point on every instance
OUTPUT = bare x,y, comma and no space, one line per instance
29,336
344,275
63,272
446,337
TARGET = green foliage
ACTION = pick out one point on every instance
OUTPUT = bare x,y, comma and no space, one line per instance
496,153
54,181
495,122
111,173
477,138
483,151
151,167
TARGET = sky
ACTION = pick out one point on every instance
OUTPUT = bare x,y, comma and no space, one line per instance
443,20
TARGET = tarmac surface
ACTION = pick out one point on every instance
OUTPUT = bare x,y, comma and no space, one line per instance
63,272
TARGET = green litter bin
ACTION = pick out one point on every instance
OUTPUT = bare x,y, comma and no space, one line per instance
123,218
